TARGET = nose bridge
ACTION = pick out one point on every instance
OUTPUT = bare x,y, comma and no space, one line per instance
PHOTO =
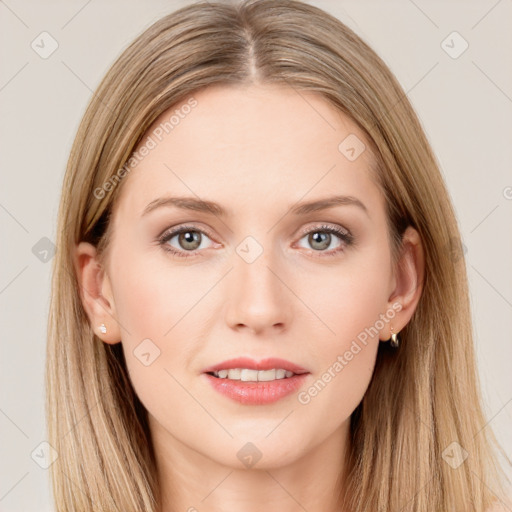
258,298
253,264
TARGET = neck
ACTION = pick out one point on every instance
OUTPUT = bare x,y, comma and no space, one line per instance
193,482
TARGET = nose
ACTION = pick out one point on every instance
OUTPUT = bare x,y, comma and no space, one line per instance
259,297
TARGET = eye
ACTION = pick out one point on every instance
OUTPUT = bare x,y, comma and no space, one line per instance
188,238
320,239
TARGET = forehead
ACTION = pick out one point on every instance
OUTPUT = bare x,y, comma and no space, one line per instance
244,146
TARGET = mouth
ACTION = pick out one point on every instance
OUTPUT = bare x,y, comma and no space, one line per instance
251,382
249,375
250,370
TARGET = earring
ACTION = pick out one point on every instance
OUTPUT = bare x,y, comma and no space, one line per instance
103,329
394,339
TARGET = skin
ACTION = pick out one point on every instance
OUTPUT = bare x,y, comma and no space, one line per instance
255,150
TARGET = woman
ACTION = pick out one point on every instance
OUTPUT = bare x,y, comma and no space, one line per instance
256,298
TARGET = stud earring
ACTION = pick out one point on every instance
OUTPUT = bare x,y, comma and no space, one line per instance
103,329
394,339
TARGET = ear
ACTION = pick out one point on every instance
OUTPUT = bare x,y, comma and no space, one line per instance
96,293
407,282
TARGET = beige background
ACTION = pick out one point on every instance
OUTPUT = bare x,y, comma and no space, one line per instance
464,103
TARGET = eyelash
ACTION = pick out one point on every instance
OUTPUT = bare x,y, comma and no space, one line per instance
346,237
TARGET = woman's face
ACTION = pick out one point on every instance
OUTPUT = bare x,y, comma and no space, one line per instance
264,279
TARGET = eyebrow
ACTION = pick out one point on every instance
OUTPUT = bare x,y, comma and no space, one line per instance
202,205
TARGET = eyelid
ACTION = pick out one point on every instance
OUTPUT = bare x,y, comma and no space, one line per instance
325,225
174,230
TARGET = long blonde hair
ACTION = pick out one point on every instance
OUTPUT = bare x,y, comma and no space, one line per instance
421,399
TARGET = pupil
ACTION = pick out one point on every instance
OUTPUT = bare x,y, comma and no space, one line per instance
189,237
322,238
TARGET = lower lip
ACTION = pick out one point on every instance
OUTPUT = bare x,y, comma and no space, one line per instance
256,393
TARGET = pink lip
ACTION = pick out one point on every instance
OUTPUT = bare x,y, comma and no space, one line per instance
264,364
256,393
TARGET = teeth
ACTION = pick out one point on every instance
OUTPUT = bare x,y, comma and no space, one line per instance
266,375
233,374
246,375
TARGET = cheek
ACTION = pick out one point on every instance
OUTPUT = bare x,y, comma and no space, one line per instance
165,309
331,396
346,359
347,299
156,304
153,297
352,303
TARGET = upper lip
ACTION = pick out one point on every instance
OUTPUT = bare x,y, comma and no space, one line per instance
264,364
